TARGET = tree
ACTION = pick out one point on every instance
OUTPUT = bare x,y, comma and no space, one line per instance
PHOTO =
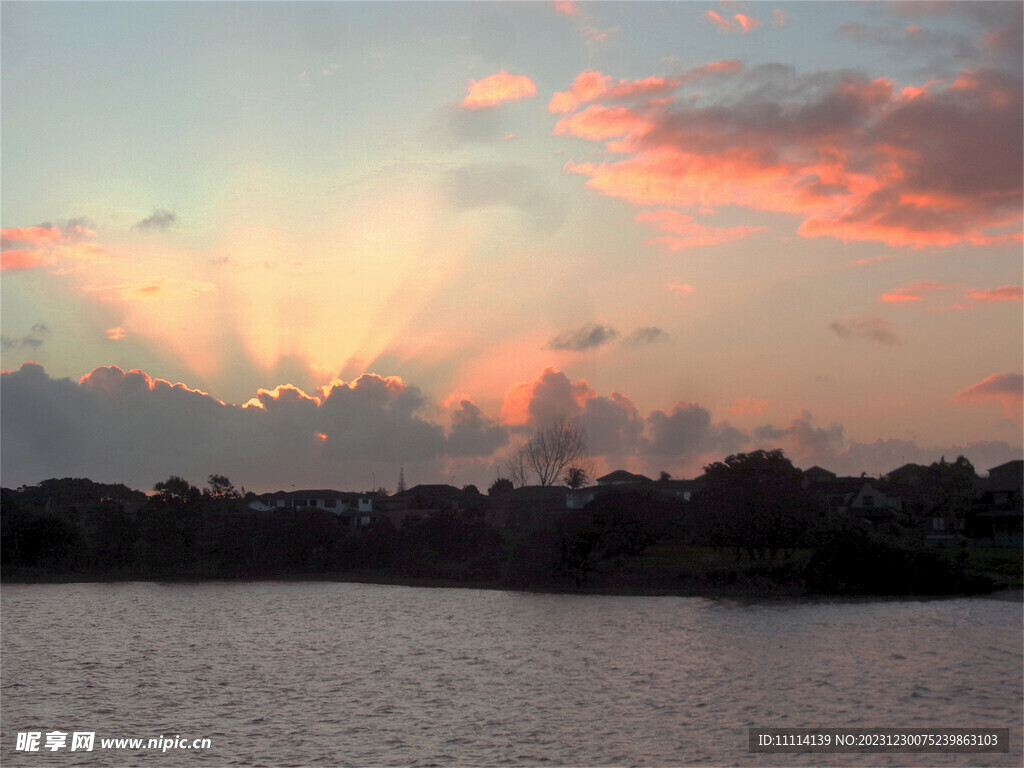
755,501
576,477
500,487
221,488
550,452
176,490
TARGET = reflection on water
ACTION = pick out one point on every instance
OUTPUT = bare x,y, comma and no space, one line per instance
351,674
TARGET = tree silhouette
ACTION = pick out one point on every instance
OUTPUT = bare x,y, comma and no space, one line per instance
176,490
551,451
500,487
221,488
755,501
576,477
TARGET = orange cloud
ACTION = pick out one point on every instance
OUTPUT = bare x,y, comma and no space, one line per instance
746,406
597,122
857,159
567,8
45,246
740,22
1003,293
14,259
747,23
32,235
912,292
497,88
719,21
592,85
692,234
116,333
1007,389
680,288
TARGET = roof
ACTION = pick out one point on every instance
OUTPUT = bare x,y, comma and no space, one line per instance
816,471
1017,465
622,476
323,493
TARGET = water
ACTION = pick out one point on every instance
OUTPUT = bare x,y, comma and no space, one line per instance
326,674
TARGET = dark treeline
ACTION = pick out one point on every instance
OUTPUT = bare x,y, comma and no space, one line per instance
753,527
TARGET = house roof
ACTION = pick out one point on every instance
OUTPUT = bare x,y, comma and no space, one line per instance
1017,465
323,493
817,474
622,476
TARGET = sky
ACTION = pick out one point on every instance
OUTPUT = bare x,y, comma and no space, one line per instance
314,244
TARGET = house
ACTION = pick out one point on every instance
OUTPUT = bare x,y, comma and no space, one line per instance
530,504
355,508
998,513
622,477
908,475
817,474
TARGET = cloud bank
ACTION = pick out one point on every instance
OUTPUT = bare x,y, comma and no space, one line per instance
126,426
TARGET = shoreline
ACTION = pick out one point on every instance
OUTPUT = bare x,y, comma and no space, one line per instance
718,592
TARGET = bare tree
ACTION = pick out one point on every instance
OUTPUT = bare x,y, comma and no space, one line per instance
549,453
518,471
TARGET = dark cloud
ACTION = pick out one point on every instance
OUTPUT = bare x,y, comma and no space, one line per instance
612,424
515,186
32,340
118,426
868,328
473,434
803,439
130,427
687,432
466,126
589,336
646,335
160,220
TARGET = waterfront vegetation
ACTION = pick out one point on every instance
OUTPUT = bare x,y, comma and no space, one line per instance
750,532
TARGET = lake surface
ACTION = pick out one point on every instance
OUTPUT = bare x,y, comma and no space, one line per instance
325,674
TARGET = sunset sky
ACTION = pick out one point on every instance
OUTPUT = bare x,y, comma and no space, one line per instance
313,243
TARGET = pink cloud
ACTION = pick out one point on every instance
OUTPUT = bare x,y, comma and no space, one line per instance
722,23
912,292
686,233
746,406
747,23
680,288
855,159
15,259
47,246
1003,293
116,333
597,123
740,22
592,85
32,235
497,88
567,8
1007,389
